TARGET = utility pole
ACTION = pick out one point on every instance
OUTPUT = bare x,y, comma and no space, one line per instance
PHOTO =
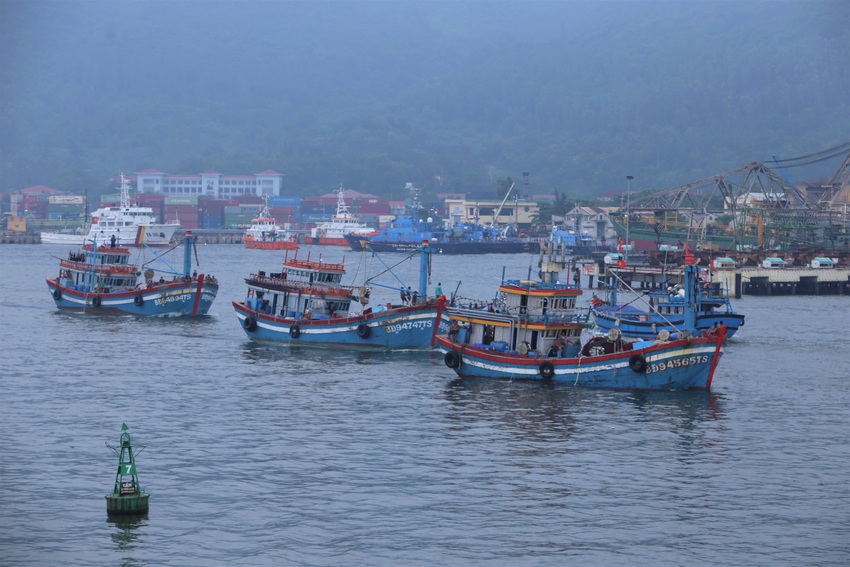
628,209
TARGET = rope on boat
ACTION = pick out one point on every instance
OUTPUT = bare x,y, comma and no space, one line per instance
639,296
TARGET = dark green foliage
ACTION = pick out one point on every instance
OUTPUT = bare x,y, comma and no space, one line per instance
449,95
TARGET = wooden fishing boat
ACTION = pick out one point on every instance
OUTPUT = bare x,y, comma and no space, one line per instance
687,360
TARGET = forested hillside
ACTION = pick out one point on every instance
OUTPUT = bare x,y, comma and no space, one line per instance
450,95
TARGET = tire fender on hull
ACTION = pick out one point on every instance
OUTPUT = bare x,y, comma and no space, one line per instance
452,359
547,370
250,324
294,331
637,363
363,331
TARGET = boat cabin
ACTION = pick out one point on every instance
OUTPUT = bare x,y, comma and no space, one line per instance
823,263
773,263
724,263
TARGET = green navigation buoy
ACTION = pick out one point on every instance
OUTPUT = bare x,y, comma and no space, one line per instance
127,498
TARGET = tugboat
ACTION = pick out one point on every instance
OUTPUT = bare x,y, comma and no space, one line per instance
127,497
101,279
336,231
265,234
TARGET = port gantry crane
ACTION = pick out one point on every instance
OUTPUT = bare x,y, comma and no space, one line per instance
784,213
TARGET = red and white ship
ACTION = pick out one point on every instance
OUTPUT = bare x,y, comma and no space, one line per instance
333,232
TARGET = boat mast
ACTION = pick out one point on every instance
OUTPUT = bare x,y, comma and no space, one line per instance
125,193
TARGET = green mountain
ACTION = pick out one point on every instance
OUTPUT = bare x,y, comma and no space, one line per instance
449,95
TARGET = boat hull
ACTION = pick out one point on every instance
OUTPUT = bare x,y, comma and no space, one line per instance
141,235
649,327
326,241
276,245
388,329
62,239
677,365
359,244
174,298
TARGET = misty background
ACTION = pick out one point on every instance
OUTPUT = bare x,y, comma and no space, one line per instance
448,95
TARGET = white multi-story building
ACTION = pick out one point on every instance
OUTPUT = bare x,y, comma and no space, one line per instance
209,184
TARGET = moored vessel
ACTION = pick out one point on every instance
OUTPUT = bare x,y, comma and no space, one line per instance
129,224
343,224
265,234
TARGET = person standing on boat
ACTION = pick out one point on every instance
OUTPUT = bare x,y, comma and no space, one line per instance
112,241
454,329
414,299
438,291
403,296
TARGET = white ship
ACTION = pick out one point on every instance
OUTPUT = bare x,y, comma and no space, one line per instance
131,225
343,223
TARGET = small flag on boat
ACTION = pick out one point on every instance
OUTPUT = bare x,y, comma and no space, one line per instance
689,258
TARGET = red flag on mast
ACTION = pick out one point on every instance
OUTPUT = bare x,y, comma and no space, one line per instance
689,258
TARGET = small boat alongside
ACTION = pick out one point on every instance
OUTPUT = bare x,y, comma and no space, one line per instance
666,310
307,303
342,225
265,234
129,225
659,310
684,360
101,279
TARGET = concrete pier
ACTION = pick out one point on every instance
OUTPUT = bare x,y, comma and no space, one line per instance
743,281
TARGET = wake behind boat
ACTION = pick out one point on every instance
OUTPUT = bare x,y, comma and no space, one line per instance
131,225
100,279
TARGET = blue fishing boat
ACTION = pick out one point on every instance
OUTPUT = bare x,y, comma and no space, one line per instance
306,303
687,360
525,316
101,279
666,310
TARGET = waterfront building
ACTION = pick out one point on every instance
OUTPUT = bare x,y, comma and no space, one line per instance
209,184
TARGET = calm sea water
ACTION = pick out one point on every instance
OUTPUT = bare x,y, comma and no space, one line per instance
261,454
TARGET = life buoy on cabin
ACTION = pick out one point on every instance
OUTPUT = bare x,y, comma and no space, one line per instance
250,324
95,301
452,359
637,363
294,331
57,295
363,331
547,370
138,301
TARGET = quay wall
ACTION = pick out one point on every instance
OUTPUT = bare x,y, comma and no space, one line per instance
741,281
